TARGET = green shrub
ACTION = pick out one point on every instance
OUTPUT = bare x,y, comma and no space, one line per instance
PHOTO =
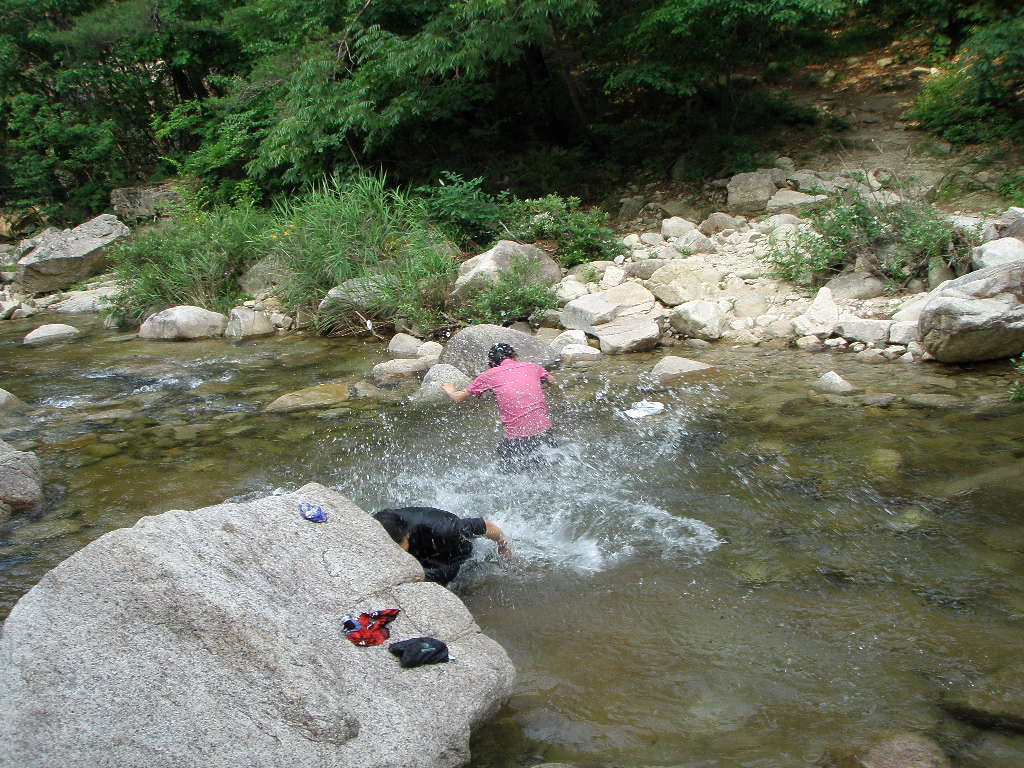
461,208
1013,189
195,257
582,234
510,297
896,241
362,229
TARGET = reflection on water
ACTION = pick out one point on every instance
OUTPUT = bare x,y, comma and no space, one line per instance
748,577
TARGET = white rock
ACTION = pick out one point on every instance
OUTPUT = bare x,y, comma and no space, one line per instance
833,383
632,333
613,276
585,312
574,353
684,280
184,322
911,310
695,242
788,199
674,370
50,334
676,227
430,350
567,337
1005,250
808,343
391,371
873,332
821,318
488,266
698,319
652,238
403,345
214,636
85,302
431,391
632,241
569,289
244,322
903,333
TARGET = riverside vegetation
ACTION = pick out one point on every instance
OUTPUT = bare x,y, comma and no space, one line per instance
262,97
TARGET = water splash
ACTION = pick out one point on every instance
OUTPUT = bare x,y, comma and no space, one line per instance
586,509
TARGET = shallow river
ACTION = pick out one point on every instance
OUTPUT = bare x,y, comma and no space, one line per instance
747,579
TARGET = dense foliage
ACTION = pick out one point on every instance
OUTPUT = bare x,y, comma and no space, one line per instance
255,96
259,96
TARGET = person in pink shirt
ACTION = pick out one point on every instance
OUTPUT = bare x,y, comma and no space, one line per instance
521,404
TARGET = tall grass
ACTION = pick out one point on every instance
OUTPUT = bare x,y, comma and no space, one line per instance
341,230
195,257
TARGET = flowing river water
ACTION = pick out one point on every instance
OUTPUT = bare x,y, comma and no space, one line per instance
748,578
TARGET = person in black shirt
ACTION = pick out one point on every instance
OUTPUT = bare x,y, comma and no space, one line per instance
440,540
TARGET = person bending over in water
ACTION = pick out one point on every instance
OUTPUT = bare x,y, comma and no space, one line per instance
441,541
521,404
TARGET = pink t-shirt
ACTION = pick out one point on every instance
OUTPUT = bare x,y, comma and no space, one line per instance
521,403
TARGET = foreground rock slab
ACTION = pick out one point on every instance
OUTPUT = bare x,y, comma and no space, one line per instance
213,638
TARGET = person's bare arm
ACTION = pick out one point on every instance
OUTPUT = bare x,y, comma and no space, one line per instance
458,395
495,534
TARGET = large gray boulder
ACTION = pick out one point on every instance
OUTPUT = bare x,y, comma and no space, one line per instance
467,349
979,316
538,268
698,320
63,258
791,200
213,638
821,317
750,191
185,322
21,484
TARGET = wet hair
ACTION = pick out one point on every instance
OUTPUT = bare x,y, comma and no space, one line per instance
499,353
394,523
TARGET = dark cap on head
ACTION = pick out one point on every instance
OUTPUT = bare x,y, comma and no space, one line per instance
499,353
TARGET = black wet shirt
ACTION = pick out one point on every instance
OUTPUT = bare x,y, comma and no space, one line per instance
440,540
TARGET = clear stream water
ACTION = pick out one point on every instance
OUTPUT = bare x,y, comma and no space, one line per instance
747,579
